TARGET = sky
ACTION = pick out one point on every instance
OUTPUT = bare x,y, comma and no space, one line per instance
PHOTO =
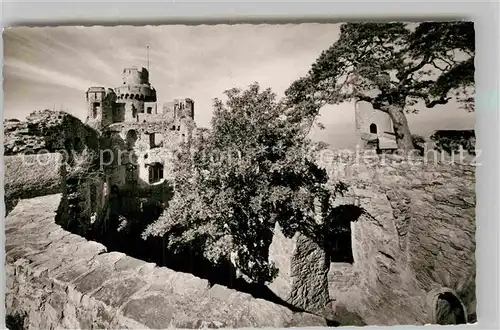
52,68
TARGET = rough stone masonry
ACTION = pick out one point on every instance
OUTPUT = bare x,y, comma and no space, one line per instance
56,279
413,243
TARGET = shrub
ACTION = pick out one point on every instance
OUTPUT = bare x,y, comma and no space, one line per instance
418,143
451,140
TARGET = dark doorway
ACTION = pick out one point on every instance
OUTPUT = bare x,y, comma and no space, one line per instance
449,310
341,246
373,128
338,235
131,138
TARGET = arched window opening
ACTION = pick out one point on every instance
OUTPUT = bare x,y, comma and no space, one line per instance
373,128
155,172
449,309
131,138
149,110
132,96
126,96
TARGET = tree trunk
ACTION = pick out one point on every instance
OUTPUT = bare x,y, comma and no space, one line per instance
401,128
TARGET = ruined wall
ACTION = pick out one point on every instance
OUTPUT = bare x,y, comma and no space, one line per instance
365,116
100,107
417,235
56,279
154,117
415,238
144,144
150,108
48,130
28,176
70,168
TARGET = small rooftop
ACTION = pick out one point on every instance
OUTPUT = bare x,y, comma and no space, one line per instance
135,68
96,89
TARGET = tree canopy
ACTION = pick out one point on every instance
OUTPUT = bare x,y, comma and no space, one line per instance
250,172
393,66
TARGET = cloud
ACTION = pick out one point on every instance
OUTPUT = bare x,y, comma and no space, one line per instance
39,74
185,61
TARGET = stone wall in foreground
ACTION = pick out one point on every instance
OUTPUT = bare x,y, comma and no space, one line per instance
28,176
56,279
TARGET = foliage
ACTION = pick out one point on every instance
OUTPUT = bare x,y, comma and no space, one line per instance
320,145
250,172
419,143
451,141
83,164
393,66
417,139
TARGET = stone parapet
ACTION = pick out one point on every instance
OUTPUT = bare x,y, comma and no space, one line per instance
56,279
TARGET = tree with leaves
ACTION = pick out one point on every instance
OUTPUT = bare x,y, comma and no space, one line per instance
250,172
393,66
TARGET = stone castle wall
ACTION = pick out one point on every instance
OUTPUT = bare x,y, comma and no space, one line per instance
49,131
365,116
415,238
56,279
153,142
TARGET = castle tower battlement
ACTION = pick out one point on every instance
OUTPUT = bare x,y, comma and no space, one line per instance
130,121
179,109
100,104
134,91
135,76
134,101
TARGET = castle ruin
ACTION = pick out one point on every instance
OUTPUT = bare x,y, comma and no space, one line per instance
374,128
141,134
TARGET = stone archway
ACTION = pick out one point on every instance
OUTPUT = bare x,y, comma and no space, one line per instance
445,307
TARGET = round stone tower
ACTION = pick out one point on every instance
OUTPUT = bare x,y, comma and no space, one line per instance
134,91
